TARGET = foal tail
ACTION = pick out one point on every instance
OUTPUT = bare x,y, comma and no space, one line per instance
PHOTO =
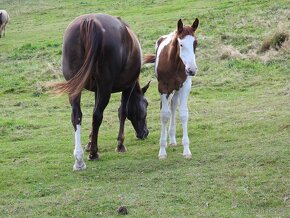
149,59
91,34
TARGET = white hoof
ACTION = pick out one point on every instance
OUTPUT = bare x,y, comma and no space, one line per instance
162,157
187,156
79,166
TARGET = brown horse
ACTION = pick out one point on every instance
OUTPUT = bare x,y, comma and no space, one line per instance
4,18
174,67
103,55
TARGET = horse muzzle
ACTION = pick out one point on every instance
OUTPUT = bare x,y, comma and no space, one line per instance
143,134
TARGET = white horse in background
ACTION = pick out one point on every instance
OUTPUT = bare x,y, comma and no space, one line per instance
4,19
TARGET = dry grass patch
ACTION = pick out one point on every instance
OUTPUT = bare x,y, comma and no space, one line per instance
273,45
277,41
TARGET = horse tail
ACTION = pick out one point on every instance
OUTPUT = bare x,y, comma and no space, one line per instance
149,59
91,34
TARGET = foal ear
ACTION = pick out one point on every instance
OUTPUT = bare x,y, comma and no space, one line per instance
144,89
195,24
179,26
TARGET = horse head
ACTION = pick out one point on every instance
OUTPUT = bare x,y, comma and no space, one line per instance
187,44
137,110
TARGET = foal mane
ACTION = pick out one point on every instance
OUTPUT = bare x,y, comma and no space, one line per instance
187,30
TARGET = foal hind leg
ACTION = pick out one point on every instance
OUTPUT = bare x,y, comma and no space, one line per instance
183,114
164,117
76,118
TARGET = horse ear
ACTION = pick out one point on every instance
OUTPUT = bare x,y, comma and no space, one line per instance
179,26
144,89
195,24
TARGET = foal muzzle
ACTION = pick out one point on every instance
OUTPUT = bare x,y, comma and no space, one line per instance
191,71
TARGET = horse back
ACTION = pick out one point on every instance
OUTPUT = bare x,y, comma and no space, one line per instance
119,62
4,17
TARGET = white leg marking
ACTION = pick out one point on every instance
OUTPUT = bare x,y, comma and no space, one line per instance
164,117
172,125
78,152
183,114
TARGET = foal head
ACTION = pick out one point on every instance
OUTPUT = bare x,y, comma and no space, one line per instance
137,111
186,45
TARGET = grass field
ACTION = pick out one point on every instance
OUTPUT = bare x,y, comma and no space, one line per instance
239,125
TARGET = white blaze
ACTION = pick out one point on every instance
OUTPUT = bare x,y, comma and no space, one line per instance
187,53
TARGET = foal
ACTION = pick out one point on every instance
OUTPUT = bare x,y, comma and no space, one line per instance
174,67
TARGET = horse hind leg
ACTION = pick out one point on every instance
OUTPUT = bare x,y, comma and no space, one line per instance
102,97
76,118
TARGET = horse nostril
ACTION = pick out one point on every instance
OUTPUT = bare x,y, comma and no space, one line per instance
146,133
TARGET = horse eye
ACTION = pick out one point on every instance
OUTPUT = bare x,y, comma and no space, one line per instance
181,45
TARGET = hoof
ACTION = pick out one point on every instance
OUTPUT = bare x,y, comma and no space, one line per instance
79,166
88,147
173,144
187,156
162,157
93,157
121,149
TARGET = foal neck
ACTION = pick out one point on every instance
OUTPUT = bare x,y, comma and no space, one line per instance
173,53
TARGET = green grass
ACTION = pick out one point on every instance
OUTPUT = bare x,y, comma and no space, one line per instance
239,125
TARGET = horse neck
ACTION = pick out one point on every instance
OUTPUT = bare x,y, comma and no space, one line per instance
132,92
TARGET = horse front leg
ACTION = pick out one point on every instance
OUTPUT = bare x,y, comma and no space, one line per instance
164,117
101,101
122,118
183,114
76,118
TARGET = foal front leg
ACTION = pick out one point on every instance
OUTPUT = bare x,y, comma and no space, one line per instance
183,114
164,117
76,118
172,124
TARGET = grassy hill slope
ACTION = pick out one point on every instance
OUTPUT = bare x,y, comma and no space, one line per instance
239,125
